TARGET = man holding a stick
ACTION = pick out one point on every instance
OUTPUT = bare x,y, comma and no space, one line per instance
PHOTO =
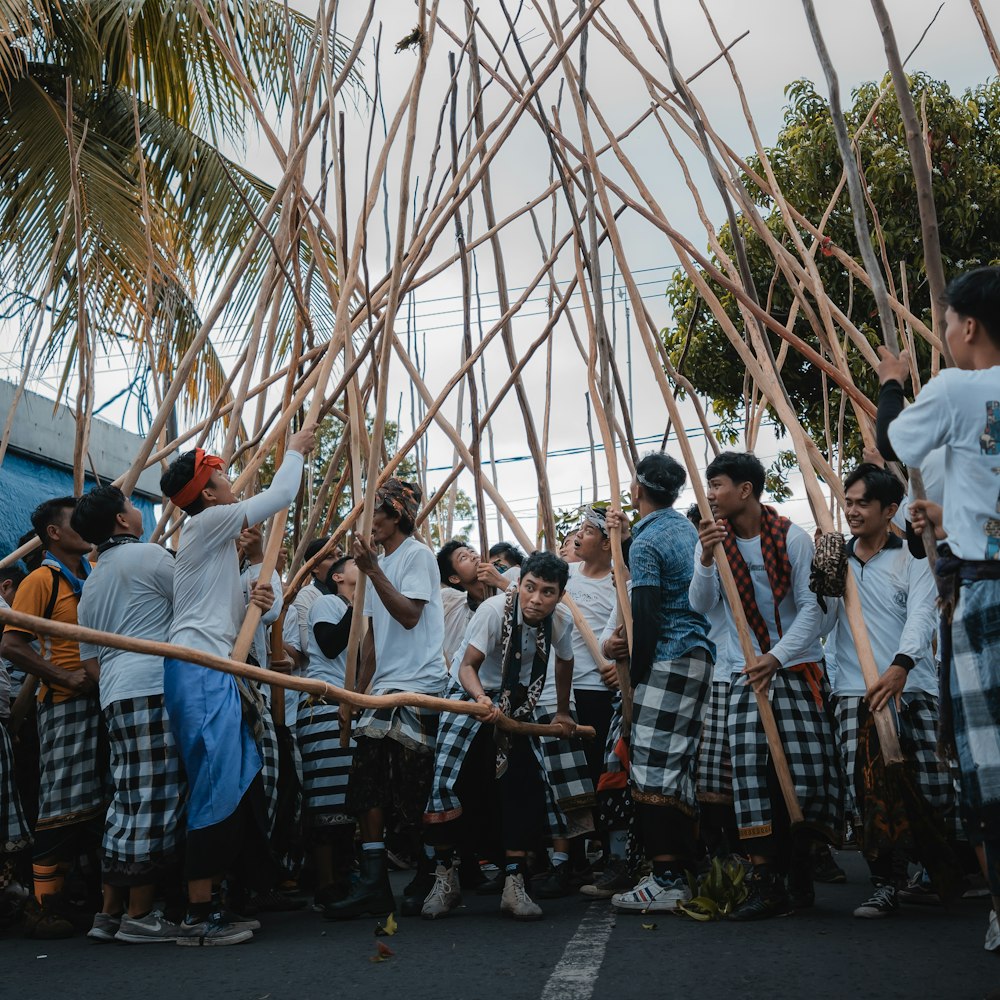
130,593
394,755
959,409
72,793
485,771
671,675
771,560
326,765
898,603
214,718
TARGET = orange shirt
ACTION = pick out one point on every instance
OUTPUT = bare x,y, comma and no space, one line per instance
32,598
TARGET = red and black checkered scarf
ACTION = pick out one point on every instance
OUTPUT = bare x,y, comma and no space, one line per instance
774,551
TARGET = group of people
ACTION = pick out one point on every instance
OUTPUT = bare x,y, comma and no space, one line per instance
164,779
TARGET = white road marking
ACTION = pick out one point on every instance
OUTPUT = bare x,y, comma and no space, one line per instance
575,975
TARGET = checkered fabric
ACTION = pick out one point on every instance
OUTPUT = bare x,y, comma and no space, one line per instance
974,690
73,783
144,816
325,763
715,769
15,833
918,741
570,796
612,762
415,728
267,744
807,735
455,735
668,712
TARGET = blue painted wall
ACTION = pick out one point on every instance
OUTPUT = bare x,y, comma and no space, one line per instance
26,482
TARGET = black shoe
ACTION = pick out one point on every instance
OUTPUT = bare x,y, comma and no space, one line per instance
555,883
470,875
767,898
275,901
801,895
491,886
371,896
825,869
418,887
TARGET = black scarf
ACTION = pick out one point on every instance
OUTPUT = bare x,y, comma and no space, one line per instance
518,701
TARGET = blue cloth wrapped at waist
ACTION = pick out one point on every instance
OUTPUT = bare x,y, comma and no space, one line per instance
220,756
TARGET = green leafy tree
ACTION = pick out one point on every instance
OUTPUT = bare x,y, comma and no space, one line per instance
964,139
85,67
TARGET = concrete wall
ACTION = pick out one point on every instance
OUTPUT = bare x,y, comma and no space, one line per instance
39,462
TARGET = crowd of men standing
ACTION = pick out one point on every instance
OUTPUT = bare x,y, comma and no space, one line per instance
181,802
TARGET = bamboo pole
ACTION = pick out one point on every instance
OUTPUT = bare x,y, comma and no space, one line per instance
261,675
988,37
725,573
933,262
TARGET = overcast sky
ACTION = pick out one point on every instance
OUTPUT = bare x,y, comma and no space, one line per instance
777,51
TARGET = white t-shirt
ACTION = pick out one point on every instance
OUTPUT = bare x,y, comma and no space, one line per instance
130,592
328,608
296,632
596,599
409,659
802,621
898,605
209,606
260,647
485,631
960,409
718,633
932,470
457,615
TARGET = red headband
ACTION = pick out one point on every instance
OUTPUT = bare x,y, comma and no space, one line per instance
203,466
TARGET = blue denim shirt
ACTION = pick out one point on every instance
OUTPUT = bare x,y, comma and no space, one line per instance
662,555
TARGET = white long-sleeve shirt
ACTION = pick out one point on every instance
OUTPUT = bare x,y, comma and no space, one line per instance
898,605
802,620
209,606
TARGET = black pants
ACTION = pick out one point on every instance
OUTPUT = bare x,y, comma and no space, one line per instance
478,831
667,830
522,797
238,845
594,708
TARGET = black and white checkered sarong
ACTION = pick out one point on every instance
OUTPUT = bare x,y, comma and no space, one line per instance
570,795
326,765
715,769
415,728
270,761
807,736
918,741
454,737
668,711
73,783
15,834
143,819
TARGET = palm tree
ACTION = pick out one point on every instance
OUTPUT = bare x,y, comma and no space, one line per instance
66,72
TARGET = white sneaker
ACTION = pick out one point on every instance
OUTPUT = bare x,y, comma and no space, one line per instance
992,942
515,901
150,929
445,894
651,897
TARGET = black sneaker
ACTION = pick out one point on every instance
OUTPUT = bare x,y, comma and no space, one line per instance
825,869
276,901
919,891
881,903
555,883
767,898
614,879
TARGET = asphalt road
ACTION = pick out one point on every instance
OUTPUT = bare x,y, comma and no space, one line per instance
579,951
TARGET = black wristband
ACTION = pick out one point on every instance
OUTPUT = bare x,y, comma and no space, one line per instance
904,661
